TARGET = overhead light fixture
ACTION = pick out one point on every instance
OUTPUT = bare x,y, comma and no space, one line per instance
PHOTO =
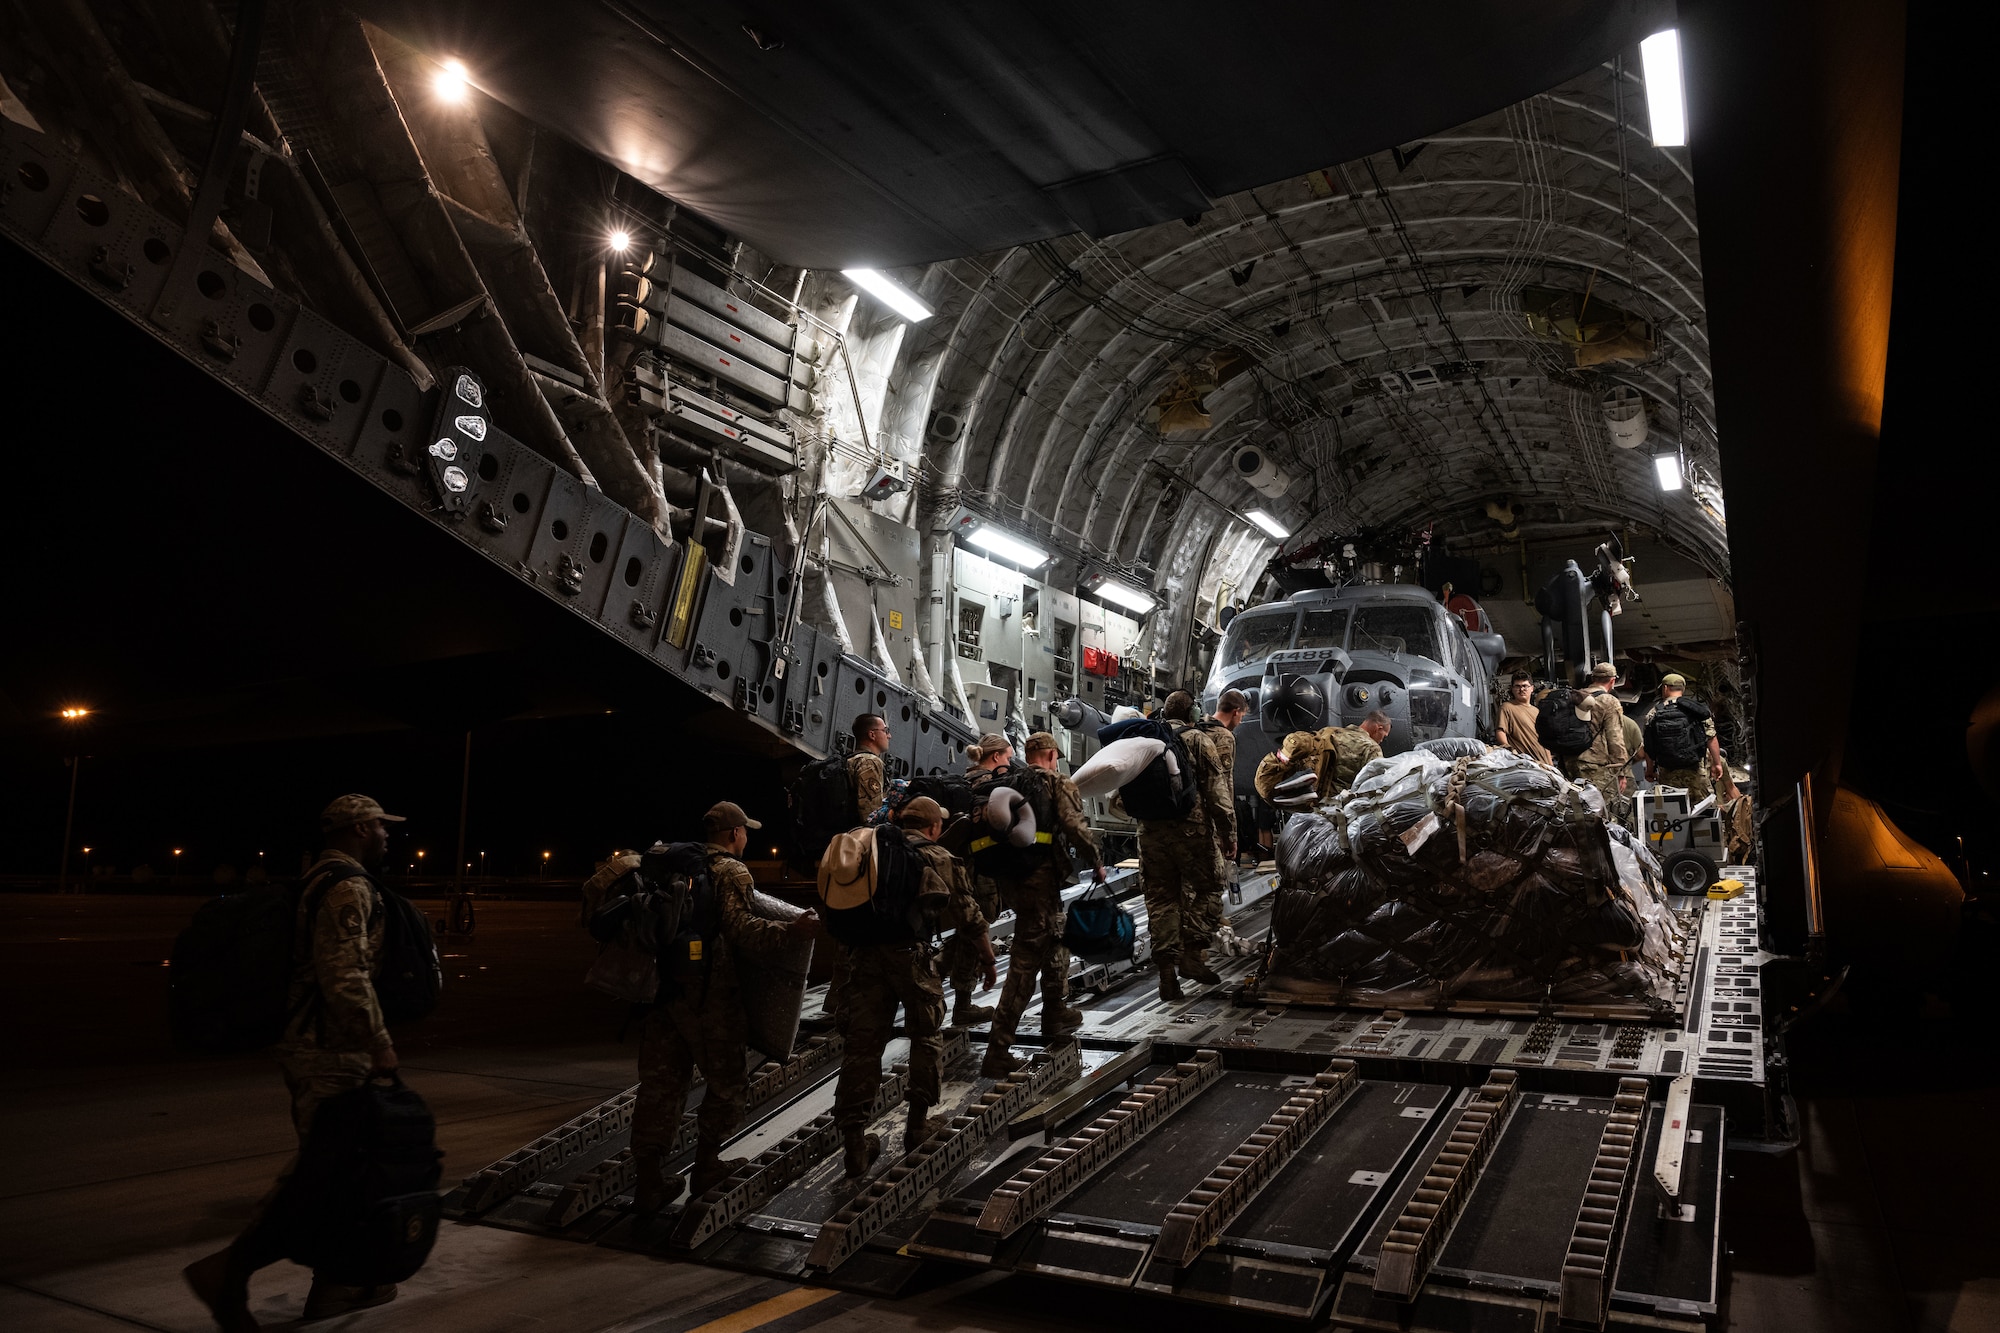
1665,101
1668,466
1269,524
621,241
989,538
890,293
451,83
1135,600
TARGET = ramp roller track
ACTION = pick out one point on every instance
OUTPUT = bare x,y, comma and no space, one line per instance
1417,1235
719,631
1058,1172
1587,1270
1191,1225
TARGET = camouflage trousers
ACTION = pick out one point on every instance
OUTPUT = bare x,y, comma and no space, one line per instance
959,962
1605,777
311,1076
880,977
1694,779
1035,955
676,1038
1182,872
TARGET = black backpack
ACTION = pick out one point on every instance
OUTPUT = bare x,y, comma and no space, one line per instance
1156,795
949,790
822,805
679,894
992,854
362,1206
1674,737
231,972
889,917
1559,729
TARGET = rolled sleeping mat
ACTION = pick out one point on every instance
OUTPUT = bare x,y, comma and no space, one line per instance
1008,812
1297,792
1117,764
773,982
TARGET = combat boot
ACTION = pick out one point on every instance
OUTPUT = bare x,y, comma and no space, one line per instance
222,1284
710,1171
859,1151
1059,1019
1170,985
965,1014
918,1127
1000,1061
649,1183
1192,965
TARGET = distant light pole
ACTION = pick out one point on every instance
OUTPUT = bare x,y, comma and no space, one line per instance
545,866
482,865
73,714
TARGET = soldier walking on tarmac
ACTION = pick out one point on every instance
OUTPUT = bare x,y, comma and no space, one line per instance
900,969
1184,862
336,1040
702,1024
1034,891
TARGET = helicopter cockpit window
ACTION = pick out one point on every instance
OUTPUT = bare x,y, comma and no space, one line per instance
1252,636
1396,629
1324,629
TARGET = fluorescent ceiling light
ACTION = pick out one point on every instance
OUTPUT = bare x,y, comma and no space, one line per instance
1125,595
890,293
1665,103
1269,524
989,538
1668,466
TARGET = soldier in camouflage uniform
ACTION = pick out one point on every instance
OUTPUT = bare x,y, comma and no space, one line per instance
882,976
960,962
705,1029
1695,777
1603,765
1336,754
868,776
1230,710
1036,952
335,1041
1184,863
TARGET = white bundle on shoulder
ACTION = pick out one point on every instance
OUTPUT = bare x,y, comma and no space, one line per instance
1118,763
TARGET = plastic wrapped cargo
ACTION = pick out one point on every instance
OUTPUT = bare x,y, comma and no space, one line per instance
1481,877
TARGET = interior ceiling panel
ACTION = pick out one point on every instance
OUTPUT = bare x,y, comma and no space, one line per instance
893,132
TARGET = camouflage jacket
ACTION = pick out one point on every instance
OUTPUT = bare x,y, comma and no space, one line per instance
1215,804
869,778
336,947
947,881
742,928
1607,745
1070,827
1336,754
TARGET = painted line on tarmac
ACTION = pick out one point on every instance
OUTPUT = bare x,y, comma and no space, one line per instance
767,1311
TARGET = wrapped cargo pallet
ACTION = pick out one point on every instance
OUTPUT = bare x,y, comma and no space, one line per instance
1485,877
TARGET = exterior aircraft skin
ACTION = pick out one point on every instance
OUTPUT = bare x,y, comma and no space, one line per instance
1339,654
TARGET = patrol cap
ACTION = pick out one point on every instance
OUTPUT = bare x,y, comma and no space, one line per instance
726,815
1604,671
920,812
991,743
352,809
1673,680
1040,740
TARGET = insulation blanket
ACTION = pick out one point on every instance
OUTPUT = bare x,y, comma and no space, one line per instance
1117,764
1481,877
773,987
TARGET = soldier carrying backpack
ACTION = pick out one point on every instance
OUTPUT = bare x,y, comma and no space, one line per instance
701,923
361,957
1681,745
886,892
1185,803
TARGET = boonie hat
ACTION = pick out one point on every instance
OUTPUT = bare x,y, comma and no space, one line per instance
1604,671
1674,680
1041,740
920,811
989,744
351,809
726,815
